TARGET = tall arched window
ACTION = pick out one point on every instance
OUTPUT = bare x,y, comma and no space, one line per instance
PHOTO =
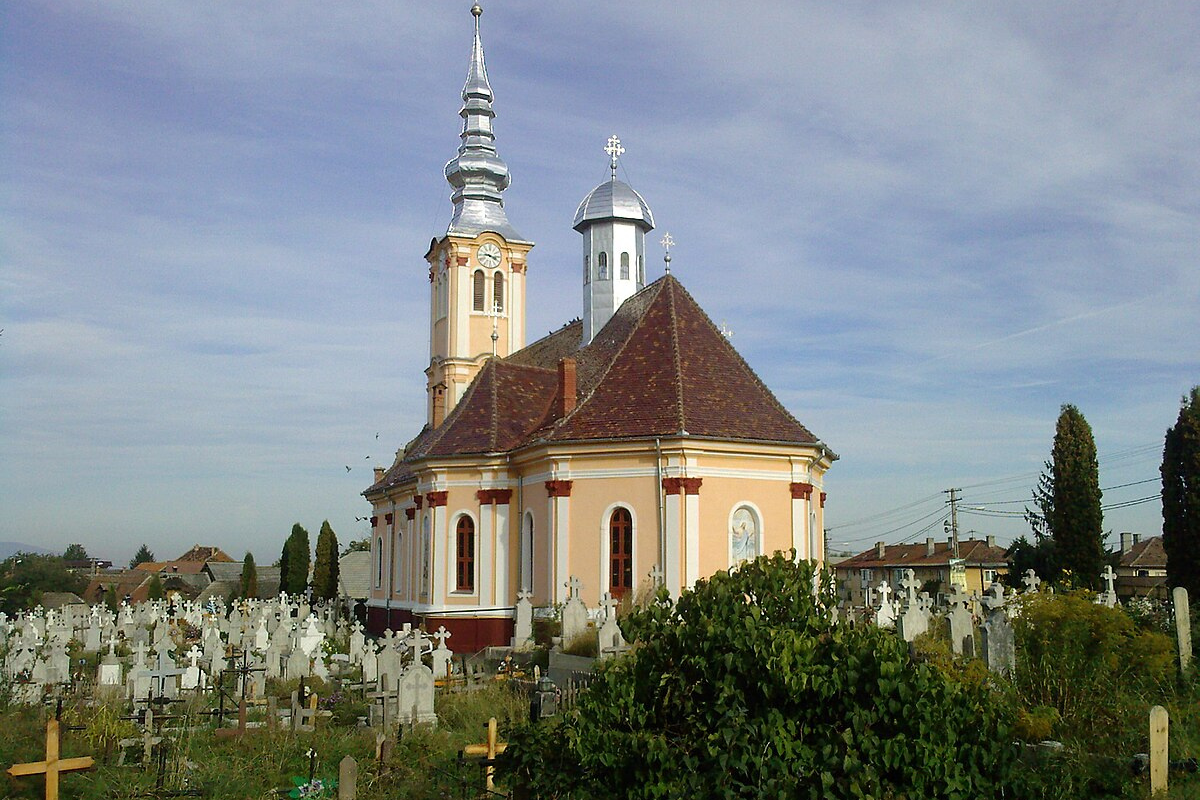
464,539
624,266
424,589
620,552
602,267
525,578
477,290
587,269
498,292
379,562
641,271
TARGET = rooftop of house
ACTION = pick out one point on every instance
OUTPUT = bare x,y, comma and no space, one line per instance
1145,554
930,553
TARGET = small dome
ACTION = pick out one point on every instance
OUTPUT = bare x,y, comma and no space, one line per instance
613,200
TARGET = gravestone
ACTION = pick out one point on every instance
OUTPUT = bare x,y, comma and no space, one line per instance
885,614
415,688
962,631
523,627
1109,596
997,643
441,654
574,614
1183,629
1031,581
612,642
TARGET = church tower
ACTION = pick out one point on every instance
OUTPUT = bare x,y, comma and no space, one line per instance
613,219
477,269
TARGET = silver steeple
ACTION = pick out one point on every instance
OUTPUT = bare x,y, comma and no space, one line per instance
477,174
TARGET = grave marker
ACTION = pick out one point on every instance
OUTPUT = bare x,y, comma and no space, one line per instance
489,750
52,765
1183,629
1158,750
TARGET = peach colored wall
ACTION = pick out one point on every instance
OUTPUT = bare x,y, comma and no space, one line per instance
718,498
592,503
534,499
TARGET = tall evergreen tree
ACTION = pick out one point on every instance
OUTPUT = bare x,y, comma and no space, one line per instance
1074,517
143,555
283,561
325,571
298,553
155,590
249,584
1181,497
75,552
110,598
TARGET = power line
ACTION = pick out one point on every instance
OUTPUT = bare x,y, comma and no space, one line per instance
883,514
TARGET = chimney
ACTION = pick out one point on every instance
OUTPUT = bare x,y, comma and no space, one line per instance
1137,538
991,541
566,386
378,474
1126,542
880,551
929,548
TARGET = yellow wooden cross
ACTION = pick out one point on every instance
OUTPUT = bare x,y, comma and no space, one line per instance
489,750
53,764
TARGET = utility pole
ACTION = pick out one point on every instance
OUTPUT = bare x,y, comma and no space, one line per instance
954,498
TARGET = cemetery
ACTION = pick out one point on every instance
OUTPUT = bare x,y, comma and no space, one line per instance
1034,693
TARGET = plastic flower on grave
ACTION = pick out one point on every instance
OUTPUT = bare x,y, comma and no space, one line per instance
312,789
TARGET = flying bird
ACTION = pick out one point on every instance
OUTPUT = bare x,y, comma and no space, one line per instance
347,469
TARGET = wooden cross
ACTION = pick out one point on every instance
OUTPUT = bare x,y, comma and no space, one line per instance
240,730
489,750
53,765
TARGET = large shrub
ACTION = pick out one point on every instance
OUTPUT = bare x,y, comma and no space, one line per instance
745,688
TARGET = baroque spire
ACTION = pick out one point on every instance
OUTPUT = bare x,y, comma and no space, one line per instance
477,174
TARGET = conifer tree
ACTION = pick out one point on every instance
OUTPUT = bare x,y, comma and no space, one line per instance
298,554
110,598
1181,497
249,584
143,555
1074,518
283,562
325,571
155,590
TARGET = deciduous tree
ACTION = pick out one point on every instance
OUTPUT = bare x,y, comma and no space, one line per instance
1181,497
325,570
24,577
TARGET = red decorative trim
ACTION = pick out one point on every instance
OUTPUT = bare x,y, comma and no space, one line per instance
558,488
823,496
410,513
461,260
672,485
418,500
801,491
436,498
387,518
493,496
691,485
374,521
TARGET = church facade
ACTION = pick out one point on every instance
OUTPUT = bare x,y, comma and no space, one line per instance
632,446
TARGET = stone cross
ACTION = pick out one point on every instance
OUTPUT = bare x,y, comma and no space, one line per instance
573,587
524,594
415,642
884,591
910,584
1031,581
656,576
993,598
441,634
52,765
1109,576
609,605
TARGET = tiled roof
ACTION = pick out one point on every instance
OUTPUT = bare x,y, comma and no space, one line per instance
354,574
1147,554
975,552
204,553
659,367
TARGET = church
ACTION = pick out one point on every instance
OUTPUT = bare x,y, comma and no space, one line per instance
631,447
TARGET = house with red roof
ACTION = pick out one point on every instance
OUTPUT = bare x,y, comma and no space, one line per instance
631,447
977,564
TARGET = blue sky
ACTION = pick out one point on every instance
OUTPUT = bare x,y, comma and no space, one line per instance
928,226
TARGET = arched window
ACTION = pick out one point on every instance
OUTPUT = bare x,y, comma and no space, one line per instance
498,292
620,552
587,269
525,578
379,562
641,271
477,290
397,561
624,266
464,539
602,267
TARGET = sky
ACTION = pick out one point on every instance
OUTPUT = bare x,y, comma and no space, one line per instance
927,226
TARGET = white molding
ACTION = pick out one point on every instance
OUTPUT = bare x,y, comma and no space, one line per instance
606,547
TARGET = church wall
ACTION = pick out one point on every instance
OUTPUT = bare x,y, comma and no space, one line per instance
771,503
534,504
593,501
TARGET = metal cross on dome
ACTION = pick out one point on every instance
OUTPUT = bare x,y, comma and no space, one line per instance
614,150
666,242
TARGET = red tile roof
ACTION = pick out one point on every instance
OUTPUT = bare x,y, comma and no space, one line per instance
658,368
1146,554
975,552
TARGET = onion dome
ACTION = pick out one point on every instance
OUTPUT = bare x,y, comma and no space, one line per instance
613,200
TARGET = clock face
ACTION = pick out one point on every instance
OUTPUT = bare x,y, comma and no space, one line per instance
489,255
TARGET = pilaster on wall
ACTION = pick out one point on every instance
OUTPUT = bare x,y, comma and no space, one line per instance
801,536
559,514
494,562
440,543
673,507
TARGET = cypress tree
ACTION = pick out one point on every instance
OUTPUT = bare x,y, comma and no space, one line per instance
1181,497
283,562
155,590
110,598
325,571
1075,519
249,584
298,553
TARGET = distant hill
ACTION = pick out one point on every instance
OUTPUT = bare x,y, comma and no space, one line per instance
9,548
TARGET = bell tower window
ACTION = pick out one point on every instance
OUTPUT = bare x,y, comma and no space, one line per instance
624,266
602,267
587,270
641,271
477,290
498,292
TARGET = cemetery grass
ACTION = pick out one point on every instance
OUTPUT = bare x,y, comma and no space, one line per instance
423,764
